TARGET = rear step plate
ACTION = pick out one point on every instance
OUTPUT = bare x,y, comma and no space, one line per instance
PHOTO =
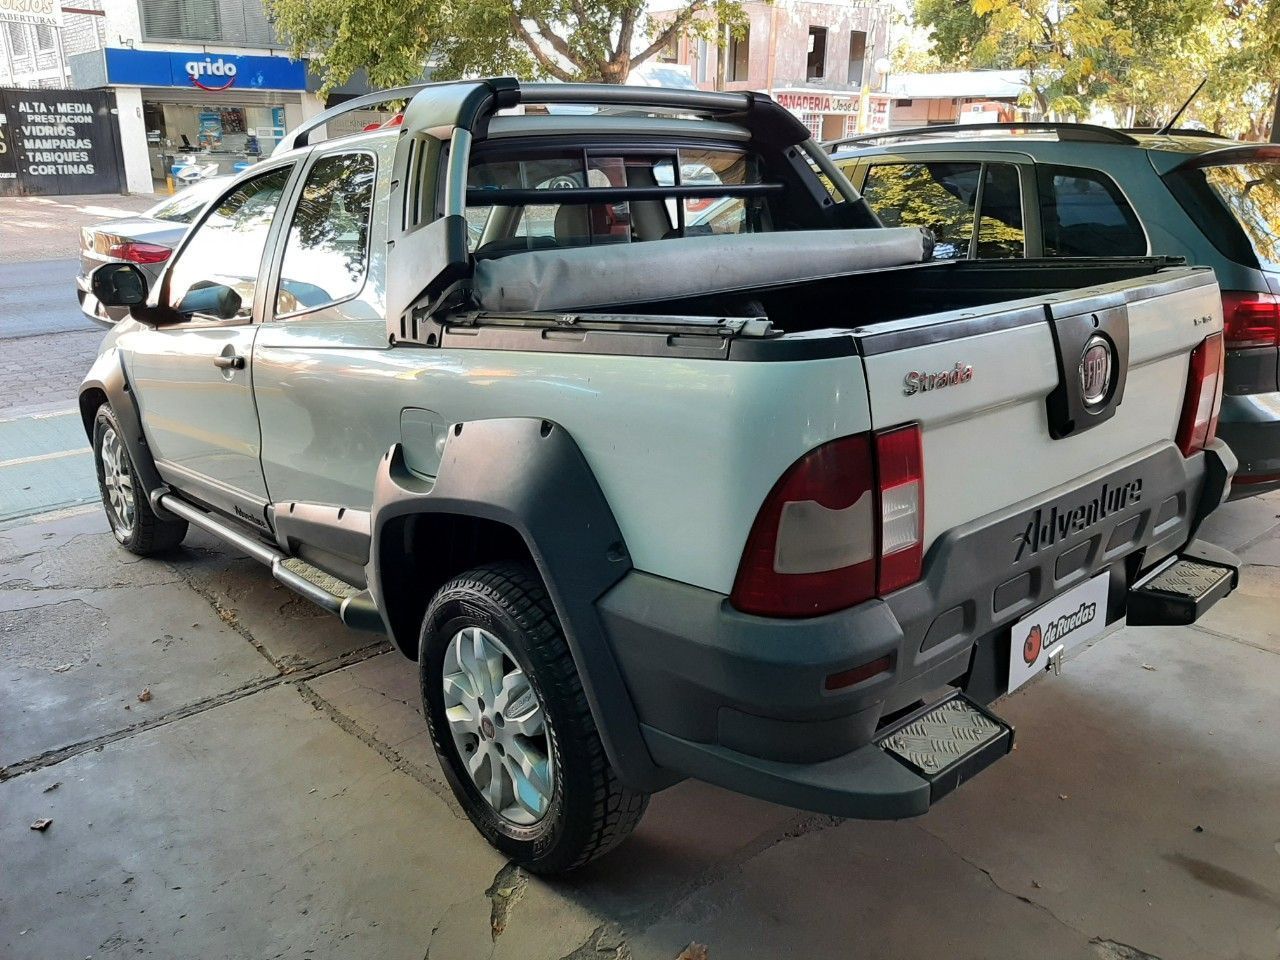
947,743
1180,593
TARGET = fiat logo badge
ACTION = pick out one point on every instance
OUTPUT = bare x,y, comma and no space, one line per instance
1095,371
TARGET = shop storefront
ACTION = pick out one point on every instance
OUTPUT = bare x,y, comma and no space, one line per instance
219,112
830,115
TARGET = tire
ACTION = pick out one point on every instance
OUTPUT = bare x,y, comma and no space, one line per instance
570,809
128,510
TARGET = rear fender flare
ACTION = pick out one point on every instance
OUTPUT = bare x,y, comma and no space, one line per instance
529,475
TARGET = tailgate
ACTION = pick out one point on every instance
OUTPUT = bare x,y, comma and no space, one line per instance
1018,398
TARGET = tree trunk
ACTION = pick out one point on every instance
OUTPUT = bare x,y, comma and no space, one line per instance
1275,118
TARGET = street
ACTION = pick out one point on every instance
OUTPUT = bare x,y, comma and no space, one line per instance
230,772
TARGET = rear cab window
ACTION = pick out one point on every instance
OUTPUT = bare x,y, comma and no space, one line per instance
509,226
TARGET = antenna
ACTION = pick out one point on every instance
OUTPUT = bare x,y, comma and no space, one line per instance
1186,103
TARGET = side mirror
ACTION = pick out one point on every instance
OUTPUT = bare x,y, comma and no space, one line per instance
213,299
119,285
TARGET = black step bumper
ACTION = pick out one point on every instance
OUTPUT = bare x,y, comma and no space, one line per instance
742,701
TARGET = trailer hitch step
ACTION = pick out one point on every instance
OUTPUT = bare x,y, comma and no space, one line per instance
1179,593
947,743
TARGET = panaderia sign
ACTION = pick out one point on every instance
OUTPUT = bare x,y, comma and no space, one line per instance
40,13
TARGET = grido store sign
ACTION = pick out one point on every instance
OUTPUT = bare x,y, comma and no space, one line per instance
203,71
59,141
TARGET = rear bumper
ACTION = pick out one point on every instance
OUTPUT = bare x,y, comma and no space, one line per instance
1250,425
740,701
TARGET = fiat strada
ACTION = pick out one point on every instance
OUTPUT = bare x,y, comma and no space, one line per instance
650,488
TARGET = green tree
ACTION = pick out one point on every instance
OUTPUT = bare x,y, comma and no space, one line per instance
1141,58
580,40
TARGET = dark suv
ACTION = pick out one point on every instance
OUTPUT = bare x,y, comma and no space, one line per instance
1075,190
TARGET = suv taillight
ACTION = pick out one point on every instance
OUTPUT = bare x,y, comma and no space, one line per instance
1199,422
1250,319
845,523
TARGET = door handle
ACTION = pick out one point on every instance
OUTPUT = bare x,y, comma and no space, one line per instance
229,362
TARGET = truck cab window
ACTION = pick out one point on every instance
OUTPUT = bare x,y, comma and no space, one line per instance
226,249
327,251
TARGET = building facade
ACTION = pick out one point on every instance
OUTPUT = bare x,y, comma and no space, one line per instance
816,57
206,80
971,96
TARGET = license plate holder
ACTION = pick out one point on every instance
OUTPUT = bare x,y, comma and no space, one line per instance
1069,619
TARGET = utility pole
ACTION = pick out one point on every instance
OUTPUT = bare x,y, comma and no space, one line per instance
1275,118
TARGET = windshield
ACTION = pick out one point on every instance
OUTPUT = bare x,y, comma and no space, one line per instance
1251,193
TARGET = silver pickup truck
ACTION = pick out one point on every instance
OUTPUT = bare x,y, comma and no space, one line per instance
618,411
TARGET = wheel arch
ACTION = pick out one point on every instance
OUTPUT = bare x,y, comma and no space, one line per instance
541,504
106,382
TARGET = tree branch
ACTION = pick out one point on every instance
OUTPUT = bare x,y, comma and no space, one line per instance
626,29
546,60
662,39
557,43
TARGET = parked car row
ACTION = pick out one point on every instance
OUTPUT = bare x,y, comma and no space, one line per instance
1074,190
660,453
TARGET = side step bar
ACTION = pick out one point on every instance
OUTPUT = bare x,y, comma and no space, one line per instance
353,605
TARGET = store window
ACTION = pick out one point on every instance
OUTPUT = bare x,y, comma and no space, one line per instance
18,41
814,122
326,254
937,196
226,249
1084,214
181,19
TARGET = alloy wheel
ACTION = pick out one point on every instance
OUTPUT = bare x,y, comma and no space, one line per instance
499,726
118,483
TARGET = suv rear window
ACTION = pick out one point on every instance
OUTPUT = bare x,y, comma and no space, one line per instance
1084,214
1251,194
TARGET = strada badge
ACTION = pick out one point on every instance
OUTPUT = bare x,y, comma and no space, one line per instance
1047,527
916,381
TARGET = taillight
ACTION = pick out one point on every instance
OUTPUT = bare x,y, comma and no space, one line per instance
1250,319
900,469
1199,422
136,252
845,523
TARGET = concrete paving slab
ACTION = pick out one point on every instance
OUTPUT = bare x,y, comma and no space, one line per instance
1252,613
259,829
86,627
859,890
1237,524
1141,804
293,631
